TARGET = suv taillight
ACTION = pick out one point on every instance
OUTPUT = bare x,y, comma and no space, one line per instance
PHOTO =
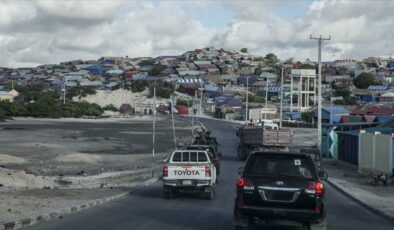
244,183
207,171
165,171
316,188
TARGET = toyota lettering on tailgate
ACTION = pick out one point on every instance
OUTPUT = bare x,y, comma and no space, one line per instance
187,172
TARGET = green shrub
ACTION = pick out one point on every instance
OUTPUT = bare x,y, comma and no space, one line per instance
111,107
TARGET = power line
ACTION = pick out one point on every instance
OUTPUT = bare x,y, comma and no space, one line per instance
320,40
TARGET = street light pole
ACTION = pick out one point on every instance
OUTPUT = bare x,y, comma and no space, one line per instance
154,131
281,99
319,103
247,100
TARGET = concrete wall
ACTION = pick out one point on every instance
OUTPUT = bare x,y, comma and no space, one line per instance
376,152
366,150
382,152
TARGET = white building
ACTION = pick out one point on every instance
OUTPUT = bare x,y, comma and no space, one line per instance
302,88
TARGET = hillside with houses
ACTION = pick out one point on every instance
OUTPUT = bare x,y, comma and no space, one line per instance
125,84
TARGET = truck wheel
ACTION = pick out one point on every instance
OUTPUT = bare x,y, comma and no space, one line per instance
210,194
168,195
241,153
318,226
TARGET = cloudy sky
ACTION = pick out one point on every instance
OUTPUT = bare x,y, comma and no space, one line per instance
42,32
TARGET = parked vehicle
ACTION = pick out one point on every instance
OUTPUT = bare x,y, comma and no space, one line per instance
214,156
280,188
189,171
251,138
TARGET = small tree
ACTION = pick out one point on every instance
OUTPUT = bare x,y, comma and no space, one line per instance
111,107
146,62
289,61
271,58
156,70
364,80
342,70
307,66
139,86
244,50
342,93
258,70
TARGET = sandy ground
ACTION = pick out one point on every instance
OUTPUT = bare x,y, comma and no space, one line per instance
47,164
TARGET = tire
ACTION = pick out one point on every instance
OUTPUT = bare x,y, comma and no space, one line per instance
318,226
210,195
241,153
168,195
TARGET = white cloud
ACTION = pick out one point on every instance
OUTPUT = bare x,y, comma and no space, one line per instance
11,12
54,31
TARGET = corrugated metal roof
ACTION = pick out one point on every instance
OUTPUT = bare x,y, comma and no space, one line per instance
379,87
335,110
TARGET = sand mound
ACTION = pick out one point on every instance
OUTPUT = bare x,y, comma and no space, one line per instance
7,159
20,179
79,157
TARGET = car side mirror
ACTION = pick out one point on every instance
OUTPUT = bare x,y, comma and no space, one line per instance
323,175
220,155
165,160
240,171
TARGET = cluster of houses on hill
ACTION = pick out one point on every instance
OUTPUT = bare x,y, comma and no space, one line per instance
216,70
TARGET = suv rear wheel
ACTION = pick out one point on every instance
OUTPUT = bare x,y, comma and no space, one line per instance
318,226
168,195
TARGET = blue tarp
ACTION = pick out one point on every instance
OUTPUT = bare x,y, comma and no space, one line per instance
96,69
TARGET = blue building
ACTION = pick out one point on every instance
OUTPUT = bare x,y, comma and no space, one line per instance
331,114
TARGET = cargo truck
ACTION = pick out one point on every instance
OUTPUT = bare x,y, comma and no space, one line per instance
254,137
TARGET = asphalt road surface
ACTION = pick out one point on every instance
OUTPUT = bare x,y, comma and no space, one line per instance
147,209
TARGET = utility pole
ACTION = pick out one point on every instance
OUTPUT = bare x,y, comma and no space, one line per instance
202,90
64,92
266,98
154,131
320,40
247,100
173,121
281,98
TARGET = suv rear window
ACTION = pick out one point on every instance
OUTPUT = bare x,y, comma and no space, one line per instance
285,166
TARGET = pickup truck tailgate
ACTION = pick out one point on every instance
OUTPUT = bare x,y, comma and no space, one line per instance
185,172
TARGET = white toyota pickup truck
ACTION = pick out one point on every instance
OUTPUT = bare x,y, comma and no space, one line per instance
189,171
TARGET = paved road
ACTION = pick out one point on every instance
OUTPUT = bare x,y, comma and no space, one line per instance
147,209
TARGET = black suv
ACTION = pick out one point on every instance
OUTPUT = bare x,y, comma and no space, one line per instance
279,188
